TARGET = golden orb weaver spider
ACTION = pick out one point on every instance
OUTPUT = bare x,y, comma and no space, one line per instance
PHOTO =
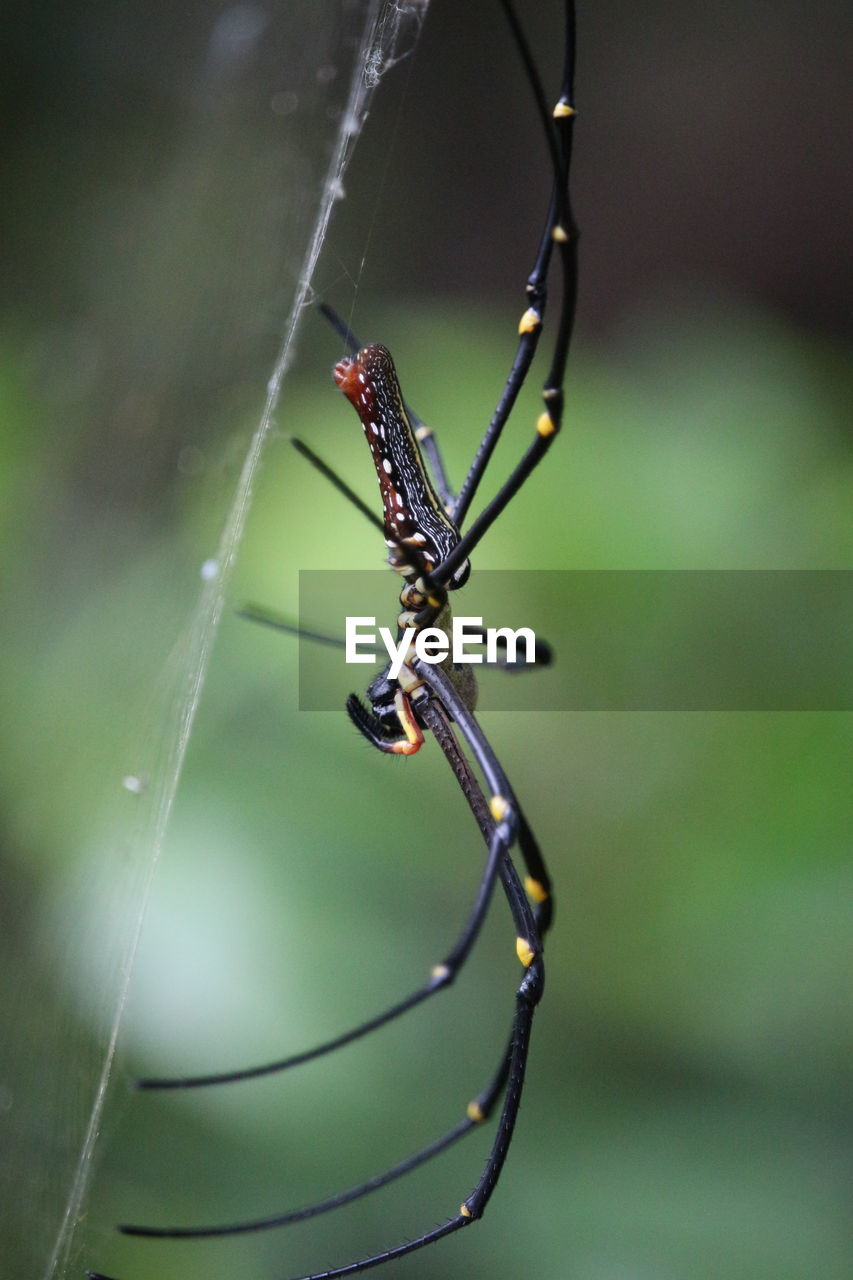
423,528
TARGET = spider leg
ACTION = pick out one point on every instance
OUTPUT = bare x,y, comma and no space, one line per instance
529,949
378,735
334,479
426,438
441,976
444,973
480,1108
351,496
561,230
537,882
501,821
341,328
321,1206
477,1113
269,618
505,812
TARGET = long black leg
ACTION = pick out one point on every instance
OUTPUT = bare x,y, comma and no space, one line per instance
538,882
504,810
441,976
341,328
341,485
480,1108
527,996
499,821
269,618
499,816
560,229
478,1112
321,1206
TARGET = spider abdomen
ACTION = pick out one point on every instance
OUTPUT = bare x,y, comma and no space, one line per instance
416,523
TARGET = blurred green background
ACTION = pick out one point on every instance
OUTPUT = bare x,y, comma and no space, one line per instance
686,1113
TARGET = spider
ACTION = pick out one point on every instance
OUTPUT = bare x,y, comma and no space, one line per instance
423,528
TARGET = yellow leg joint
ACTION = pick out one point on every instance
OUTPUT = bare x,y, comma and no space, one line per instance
439,971
535,889
465,1211
559,234
545,425
524,951
423,433
475,1112
498,806
529,321
563,111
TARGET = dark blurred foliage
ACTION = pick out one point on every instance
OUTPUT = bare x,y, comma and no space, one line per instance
686,1115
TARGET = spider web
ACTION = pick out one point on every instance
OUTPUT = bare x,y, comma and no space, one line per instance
381,33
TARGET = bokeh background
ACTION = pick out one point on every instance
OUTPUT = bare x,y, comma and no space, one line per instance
686,1111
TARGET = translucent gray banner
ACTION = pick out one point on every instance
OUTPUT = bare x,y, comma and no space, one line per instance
657,640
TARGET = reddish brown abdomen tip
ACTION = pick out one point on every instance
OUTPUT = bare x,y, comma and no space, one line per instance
344,374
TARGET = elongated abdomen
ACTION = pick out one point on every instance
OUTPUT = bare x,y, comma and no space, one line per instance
414,516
